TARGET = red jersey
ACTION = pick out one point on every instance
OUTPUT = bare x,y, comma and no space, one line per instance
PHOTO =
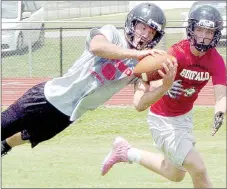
194,72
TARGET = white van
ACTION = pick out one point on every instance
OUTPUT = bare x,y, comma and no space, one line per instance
17,15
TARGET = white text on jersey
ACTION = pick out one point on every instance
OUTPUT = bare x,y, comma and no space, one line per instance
194,75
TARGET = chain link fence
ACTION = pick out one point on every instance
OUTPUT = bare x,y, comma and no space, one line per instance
50,52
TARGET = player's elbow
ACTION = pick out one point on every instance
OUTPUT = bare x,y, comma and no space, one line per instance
138,102
136,105
139,106
94,49
98,50
97,44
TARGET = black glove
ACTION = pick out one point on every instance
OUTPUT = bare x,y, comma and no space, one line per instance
176,89
218,120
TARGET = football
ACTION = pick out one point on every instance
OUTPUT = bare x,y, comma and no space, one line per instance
147,68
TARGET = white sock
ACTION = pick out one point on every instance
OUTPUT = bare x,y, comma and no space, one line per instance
134,155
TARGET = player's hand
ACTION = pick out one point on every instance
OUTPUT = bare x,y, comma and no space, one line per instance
143,53
218,120
169,75
176,89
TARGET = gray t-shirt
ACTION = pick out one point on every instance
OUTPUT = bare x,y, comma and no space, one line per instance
92,80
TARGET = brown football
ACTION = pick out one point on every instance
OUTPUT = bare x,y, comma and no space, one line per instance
147,68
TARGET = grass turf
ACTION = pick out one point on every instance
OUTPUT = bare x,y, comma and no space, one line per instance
73,158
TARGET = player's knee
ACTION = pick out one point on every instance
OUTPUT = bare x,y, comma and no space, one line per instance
177,177
174,174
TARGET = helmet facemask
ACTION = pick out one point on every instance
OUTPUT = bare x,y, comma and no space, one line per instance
207,17
193,38
144,43
150,15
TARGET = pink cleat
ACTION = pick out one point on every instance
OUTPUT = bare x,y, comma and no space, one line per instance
116,155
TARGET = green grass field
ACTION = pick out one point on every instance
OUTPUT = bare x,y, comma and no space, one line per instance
73,158
45,60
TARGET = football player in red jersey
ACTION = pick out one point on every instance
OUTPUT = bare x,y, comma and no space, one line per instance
170,117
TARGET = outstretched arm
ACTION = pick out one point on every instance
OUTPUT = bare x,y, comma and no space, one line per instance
100,46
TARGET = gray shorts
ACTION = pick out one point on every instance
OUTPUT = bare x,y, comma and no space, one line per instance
172,136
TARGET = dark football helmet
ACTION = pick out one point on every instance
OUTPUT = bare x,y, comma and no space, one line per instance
149,14
205,16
